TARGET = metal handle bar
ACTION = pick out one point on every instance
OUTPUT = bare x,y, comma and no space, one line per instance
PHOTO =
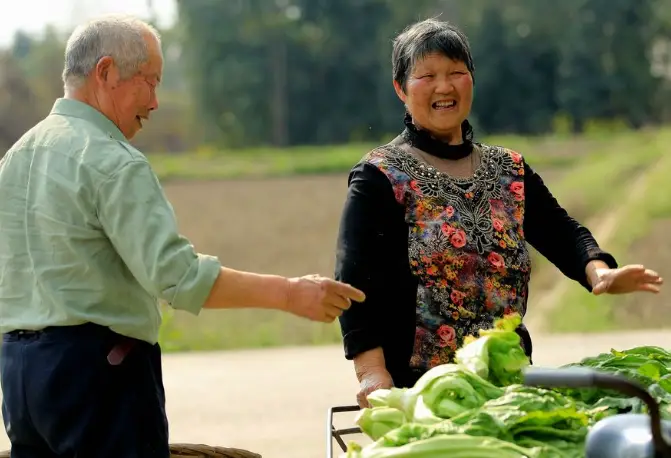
333,433
583,377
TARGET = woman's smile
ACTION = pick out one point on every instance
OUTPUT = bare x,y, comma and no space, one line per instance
445,105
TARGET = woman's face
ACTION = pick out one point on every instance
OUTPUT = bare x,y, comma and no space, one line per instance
438,95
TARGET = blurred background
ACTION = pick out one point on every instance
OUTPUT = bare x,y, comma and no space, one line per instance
266,104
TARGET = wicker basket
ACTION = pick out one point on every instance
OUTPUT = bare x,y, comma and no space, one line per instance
205,451
198,451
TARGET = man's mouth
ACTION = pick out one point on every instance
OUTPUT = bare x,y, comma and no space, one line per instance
444,105
139,120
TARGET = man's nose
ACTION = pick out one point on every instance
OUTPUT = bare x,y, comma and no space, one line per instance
153,103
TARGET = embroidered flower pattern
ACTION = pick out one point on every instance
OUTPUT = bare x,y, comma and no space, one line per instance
466,246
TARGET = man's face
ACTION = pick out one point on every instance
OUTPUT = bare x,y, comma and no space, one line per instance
128,102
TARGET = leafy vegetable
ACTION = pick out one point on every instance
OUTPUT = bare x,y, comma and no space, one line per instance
519,414
497,354
649,366
453,446
477,407
378,421
442,392
554,449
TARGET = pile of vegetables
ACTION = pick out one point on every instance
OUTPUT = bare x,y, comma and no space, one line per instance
478,407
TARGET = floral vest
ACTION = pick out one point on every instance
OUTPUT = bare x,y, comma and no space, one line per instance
465,243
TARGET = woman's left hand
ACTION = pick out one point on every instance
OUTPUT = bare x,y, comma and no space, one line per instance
626,279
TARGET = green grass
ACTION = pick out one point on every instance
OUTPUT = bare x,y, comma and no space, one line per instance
596,181
210,164
255,163
582,312
235,329
599,181
587,174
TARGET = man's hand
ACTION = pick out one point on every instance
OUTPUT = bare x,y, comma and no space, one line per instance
319,298
371,381
623,280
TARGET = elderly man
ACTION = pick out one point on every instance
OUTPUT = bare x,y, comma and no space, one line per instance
88,243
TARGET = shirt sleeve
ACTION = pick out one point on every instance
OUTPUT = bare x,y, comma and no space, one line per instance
365,258
141,224
558,237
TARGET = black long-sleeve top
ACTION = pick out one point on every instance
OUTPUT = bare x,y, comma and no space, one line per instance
440,257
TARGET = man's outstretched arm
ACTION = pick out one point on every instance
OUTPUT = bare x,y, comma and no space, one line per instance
141,224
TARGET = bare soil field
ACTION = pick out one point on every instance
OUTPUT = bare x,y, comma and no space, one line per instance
286,226
274,402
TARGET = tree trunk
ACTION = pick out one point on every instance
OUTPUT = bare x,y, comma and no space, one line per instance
279,92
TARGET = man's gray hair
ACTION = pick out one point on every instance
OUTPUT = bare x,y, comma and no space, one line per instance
119,36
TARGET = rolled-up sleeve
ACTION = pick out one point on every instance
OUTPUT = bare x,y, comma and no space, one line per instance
141,224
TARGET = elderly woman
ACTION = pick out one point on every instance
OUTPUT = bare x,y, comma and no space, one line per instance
435,225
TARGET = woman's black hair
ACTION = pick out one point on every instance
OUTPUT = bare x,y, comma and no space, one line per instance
428,37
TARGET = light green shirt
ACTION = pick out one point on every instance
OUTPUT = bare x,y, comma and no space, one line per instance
87,234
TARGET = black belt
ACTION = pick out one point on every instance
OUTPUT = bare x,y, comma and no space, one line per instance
115,357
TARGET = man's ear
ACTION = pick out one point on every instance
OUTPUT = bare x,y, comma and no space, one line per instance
399,91
106,71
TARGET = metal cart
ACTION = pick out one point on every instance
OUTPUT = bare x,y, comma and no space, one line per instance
617,436
336,434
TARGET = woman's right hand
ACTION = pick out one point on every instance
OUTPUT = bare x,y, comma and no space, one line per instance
371,381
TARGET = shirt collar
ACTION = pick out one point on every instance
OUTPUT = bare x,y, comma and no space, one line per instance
77,109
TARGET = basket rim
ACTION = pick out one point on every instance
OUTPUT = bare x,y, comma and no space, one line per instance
194,450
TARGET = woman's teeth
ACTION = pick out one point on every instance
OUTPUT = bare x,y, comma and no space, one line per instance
444,104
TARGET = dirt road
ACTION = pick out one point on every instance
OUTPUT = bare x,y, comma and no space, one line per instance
274,402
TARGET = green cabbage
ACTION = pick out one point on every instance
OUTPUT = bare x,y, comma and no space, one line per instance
497,354
477,406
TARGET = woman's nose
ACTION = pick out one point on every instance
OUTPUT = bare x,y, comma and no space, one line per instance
444,85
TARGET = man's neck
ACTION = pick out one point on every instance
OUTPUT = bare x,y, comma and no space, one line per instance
84,95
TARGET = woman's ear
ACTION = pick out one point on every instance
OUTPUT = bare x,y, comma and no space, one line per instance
399,91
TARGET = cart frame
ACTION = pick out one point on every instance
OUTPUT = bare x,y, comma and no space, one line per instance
333,433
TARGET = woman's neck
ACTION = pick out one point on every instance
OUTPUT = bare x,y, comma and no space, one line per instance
457,148
455,137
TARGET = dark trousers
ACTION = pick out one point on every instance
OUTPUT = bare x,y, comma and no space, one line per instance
62,398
